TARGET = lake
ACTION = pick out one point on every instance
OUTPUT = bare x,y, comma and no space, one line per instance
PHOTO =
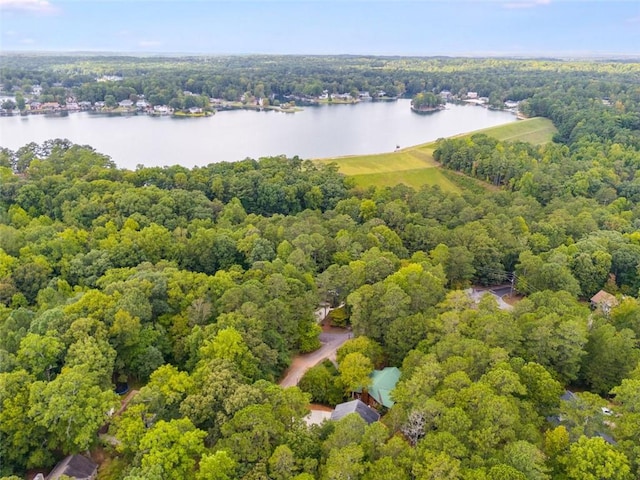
316,132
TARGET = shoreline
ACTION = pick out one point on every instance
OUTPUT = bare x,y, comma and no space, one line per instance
222,138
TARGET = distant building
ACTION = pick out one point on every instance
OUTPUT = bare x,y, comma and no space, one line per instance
367,413
162,109
75,466
604,301
126,103
472,95
50,106
36,90
511,104
109,78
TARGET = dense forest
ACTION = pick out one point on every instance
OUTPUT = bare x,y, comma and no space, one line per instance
164,80
197,287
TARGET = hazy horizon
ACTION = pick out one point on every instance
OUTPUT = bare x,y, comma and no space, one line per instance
509,28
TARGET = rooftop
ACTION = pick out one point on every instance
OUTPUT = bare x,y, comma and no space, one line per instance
367,413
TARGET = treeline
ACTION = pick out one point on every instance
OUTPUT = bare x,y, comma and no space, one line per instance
163,80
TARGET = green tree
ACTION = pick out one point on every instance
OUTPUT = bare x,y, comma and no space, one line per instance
320,382
344,464
367,347
71,408
610,356
40,355
354,372
594,459
21,440
174,447
282,463
217,466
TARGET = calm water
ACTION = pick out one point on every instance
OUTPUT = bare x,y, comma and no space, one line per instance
316,132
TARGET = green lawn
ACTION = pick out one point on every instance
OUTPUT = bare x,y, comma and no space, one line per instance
412,178
409,159
415,166
533,130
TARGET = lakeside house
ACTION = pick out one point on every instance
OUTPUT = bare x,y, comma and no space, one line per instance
50,106
162,109
126,103
472,95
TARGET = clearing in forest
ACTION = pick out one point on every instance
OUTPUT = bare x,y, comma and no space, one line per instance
415,166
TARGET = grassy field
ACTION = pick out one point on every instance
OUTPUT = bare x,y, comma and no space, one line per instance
415,166
412,178
533,130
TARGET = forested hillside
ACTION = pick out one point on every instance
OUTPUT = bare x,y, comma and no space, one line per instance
198,287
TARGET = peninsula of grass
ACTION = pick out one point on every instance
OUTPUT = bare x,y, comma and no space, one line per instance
415,166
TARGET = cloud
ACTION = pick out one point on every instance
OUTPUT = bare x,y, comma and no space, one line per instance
34,6
149,43
526,4
27,41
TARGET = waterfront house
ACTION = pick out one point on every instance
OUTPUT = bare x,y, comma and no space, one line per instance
162,109
50,106
126,103
472,95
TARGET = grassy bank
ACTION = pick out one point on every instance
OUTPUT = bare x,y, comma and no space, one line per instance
533,130
415,166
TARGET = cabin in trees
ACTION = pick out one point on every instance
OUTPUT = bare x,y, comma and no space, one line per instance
75,466
603,301
382,384
367,413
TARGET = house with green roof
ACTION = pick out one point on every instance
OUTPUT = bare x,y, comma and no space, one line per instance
382,384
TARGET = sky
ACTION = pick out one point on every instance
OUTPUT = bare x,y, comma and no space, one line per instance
384,27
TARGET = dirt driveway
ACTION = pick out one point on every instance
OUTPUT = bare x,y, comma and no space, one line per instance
331,339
